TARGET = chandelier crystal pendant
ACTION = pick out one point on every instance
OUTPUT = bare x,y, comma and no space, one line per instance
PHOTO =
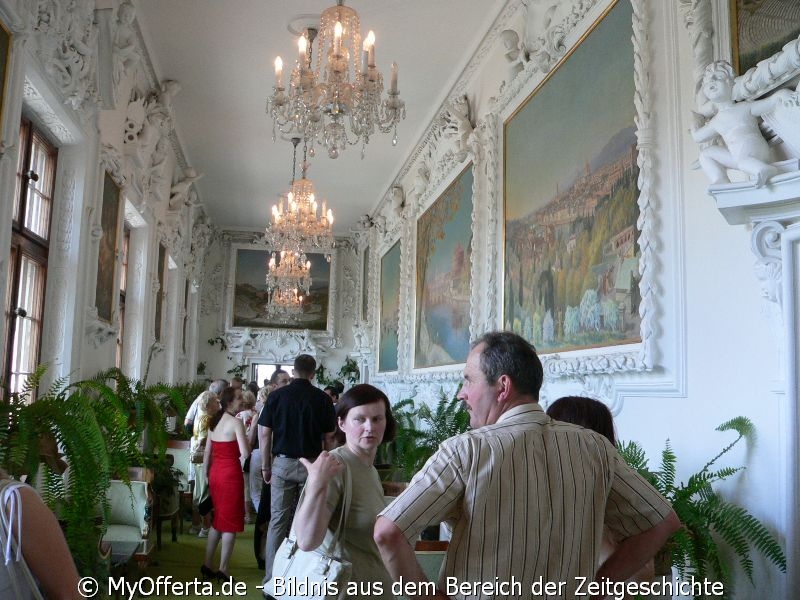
341,88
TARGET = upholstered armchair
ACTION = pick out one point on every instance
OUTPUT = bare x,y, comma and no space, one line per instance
128,526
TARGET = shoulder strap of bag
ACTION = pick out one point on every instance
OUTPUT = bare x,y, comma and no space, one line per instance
347,497
21,578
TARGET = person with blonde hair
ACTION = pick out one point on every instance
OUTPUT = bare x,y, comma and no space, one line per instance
247,415
207,407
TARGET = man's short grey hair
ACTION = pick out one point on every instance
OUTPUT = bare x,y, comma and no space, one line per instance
217,386
506,353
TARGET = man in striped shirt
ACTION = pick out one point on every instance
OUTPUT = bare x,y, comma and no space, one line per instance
526,496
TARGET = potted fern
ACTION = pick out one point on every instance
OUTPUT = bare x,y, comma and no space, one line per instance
421,429
707,517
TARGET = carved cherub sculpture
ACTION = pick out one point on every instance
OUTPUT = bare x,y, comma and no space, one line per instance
421,180
398,200
736,123
179,194
514,53
126,50
458,125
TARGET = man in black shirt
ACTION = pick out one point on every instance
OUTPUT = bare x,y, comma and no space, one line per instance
298,421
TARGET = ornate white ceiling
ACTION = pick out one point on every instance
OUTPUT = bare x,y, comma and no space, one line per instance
222,55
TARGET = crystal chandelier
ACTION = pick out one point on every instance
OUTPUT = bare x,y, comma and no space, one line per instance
294,228
297,224
332,90
287,280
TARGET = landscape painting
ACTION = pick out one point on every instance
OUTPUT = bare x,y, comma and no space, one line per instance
388,342
761,28
571,272
444,248
250,293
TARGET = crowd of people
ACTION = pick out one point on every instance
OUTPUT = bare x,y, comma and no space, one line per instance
528,496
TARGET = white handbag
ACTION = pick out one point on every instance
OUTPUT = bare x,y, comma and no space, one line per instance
320,574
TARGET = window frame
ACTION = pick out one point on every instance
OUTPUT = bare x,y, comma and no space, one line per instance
27,243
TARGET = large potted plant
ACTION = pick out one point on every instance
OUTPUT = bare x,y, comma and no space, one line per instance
95,427
420,431
707,517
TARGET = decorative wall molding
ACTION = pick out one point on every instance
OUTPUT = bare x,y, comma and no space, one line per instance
699,21
45,114
766,245
112,162
66,39
67,200
98,332
277,345
767,75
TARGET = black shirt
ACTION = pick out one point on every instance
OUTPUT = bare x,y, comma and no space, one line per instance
299,415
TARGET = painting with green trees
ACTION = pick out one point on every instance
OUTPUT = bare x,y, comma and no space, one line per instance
444,250
571,272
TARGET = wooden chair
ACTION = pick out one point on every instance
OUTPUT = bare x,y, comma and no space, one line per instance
167,507
179,449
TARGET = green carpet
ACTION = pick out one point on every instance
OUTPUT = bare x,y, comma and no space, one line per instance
182,559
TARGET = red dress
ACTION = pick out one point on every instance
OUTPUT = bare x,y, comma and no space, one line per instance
226,484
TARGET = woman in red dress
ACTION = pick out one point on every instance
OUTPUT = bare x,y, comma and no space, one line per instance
226,451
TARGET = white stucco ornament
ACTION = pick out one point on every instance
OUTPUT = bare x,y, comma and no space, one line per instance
457,125
736,125
126,49
179,194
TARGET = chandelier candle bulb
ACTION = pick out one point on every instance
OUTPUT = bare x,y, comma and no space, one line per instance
393,84
371,48
337,39
279,73
302,47
330,217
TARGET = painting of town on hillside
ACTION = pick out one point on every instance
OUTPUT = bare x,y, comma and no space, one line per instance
444,245
250,293
571,254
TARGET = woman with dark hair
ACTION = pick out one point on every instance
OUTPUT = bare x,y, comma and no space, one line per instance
593,414
586,412
226,451
365,420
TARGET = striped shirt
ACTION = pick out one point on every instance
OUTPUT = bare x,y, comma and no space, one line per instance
527,498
